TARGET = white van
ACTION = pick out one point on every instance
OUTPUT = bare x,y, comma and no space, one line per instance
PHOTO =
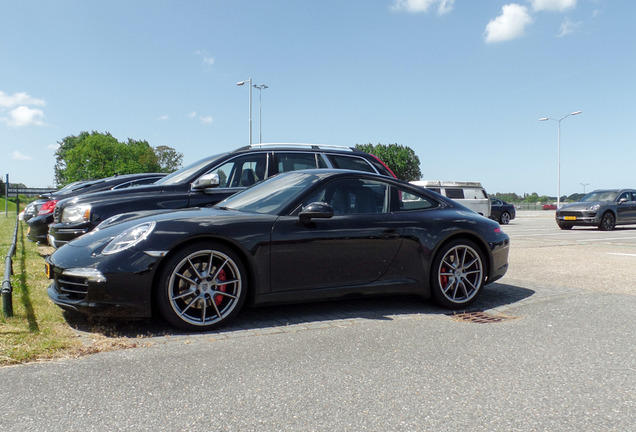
469,194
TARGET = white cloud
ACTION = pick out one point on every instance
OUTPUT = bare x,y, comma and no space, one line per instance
553,5
193,114
163,118
17,99
16,155
568,27
25,116
207,59
511,24
206,119
415,6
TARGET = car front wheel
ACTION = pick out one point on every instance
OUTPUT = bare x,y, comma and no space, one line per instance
504,219
458,274
564,226
201,287
608,221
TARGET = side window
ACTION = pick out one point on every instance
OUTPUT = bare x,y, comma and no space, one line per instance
350,163
454,193
353,196
405,200
626,195
242,171
297,161
438,190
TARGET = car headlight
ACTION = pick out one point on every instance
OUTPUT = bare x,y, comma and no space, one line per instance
76,213
594,207
129,238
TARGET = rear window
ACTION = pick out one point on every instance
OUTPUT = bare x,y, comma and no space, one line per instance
350,163
454,193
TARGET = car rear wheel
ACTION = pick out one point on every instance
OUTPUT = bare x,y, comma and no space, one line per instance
504,219
201,287
458,274
608,221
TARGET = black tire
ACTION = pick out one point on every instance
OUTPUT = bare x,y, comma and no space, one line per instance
458,274
608,222
564,226
192,297
504,219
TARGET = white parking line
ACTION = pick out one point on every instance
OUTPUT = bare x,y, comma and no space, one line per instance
622,254
607,239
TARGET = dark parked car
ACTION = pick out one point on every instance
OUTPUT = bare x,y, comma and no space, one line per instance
205,183
39,223
501,211
299,236
602,208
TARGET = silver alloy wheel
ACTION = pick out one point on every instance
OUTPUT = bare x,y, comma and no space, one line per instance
505,218
460,274
205,287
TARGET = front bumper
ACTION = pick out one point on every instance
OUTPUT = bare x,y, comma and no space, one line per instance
60,234
117,286
578,218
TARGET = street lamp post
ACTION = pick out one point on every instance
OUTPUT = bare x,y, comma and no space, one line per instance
559,152
584,184
260,121
249,82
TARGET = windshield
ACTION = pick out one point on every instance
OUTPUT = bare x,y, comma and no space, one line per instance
271,196
185,173
600,196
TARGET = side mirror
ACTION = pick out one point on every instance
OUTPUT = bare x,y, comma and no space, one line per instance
206,181
315,210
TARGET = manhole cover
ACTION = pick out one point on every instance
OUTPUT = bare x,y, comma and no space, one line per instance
479,317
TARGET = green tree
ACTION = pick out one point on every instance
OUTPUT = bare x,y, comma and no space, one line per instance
169,159
400,159
98,155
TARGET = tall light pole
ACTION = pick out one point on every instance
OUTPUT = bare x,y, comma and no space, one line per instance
260,121
249,82
559,152
584,184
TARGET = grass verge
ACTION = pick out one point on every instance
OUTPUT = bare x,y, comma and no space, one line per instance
38,329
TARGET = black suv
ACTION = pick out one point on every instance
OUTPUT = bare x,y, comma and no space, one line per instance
204,183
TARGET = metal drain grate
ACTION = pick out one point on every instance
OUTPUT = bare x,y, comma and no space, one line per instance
479,317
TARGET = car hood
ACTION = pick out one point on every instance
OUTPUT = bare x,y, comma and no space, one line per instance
584,205
169,223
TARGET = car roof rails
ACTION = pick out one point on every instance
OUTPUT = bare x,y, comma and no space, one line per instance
304,145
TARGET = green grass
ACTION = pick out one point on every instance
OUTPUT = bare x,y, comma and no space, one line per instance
37,329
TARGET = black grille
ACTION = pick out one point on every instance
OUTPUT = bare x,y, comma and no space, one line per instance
57,214
74,288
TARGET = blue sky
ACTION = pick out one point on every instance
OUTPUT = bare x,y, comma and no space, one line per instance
461,82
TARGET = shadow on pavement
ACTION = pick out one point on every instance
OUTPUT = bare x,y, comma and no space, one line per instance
271,317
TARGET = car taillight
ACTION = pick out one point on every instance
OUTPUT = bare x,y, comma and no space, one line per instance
47,207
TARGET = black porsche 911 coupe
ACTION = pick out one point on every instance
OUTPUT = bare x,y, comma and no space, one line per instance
299,236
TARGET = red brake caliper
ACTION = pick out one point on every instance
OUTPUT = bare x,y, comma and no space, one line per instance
443,278
223,288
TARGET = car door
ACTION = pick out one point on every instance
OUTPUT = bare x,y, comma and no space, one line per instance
623,208
627,210
356,246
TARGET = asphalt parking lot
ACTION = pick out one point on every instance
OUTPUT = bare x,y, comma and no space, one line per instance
549,347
